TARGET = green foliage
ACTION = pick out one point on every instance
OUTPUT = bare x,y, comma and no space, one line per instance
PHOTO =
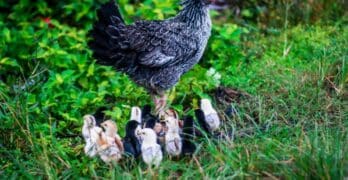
294,124
275,13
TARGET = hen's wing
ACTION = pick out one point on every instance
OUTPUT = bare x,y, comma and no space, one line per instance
156,43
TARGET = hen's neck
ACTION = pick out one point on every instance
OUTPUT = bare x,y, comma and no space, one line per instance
195,15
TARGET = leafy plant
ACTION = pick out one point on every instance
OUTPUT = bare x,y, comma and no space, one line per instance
292,125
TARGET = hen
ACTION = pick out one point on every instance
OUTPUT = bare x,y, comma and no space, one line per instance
154,54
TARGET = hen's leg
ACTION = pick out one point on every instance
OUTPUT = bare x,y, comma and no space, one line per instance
160,102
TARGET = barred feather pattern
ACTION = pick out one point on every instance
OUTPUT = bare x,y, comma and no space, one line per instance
154,54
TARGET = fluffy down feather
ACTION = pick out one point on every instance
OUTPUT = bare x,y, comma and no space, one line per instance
113,150
131,142
188,146
211,116
150,151
90,133
173,140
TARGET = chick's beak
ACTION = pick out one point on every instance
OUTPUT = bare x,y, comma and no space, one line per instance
102,126
137,132
138,135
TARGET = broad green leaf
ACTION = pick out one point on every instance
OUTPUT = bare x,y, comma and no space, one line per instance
9,62
59,79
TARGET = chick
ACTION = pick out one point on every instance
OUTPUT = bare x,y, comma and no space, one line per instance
173,142
151,152
88,123
152,122
136,114
100,115
203,125
114,150
90,133
188,147
211,116
205,128
131,141
148,120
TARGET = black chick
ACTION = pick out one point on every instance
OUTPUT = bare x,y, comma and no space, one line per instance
152,122
203,126
148,119
188,146
131,142
100,115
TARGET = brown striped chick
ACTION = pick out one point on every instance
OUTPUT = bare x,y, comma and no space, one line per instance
173,141
114,150
90,132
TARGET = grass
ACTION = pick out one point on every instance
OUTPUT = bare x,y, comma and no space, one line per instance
294,125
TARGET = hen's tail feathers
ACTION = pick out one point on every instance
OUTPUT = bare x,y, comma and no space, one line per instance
107,38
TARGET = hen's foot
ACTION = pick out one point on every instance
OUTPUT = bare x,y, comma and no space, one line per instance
160,103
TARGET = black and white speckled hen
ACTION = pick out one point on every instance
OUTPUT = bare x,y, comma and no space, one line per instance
154,54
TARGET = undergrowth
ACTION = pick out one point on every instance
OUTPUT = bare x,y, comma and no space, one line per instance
293,123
